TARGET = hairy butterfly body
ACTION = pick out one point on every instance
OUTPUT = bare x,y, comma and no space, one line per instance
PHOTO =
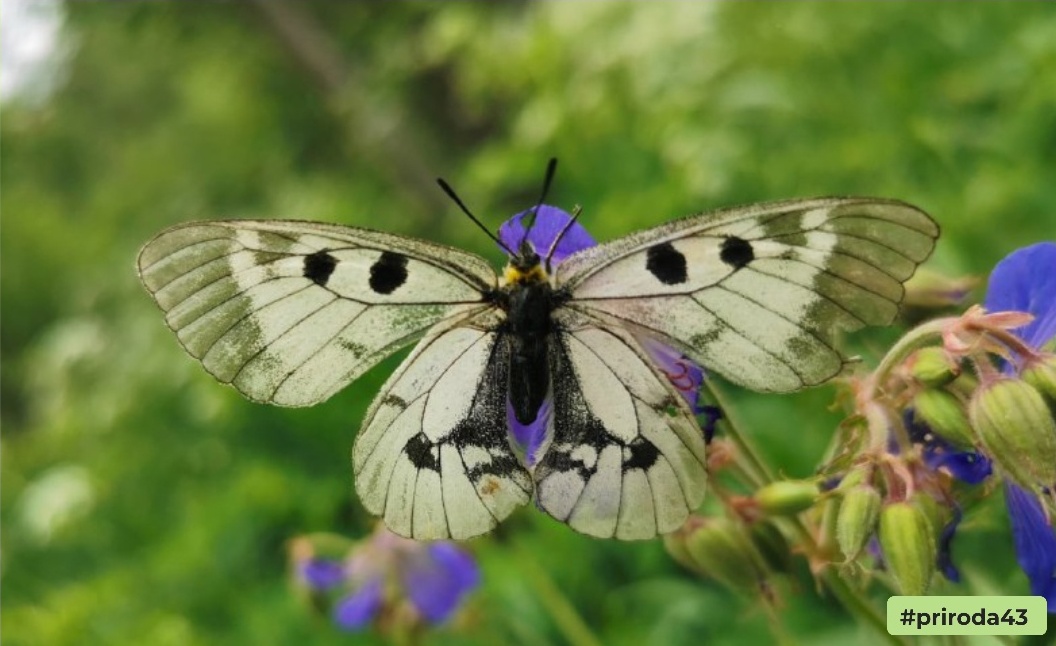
290,312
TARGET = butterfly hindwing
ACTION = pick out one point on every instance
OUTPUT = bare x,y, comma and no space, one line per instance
433,457
625,458
290,312
756,293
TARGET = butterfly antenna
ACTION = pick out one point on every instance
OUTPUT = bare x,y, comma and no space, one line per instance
576,210
451,194
551,168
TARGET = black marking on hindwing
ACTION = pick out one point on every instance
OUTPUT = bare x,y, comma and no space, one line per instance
642,455
421,452
388,272
666,263
579,437
736,252
480,438
318,267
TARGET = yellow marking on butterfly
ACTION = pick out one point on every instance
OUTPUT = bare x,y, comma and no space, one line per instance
512,275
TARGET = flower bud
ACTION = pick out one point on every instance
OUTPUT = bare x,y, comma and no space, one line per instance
722,550
945,414
908,543
1042,375
1017,429
787,497
856,520
855,476
936,513
675,544
932,367
928,290
827,514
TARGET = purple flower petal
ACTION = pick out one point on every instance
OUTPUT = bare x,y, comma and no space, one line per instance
1025,281
712,415
943,559
321,574
683,374
967,466
549,221
438,579
358,609
530,436
1035,540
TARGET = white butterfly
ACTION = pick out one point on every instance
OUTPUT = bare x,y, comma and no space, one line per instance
290,312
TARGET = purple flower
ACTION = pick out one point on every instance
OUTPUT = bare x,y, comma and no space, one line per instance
549,221
684,375
1025,281
385,570
1035,542
970,467
943,559
321,574
440,577
357,610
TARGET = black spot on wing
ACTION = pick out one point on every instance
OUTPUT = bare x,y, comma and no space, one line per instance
736,252
666,263
318,267
643,454
388,272
420,451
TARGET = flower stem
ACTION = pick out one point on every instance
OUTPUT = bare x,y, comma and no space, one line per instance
566,618
753,466
858,605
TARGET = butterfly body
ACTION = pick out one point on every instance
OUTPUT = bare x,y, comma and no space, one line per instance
590,354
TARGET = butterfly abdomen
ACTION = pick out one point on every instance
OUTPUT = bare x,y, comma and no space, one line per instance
528,308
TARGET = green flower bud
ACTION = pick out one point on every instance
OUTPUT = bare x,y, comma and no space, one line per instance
908,542
1042,375
787,497
675,544
827,521
1017,429
945,414
936,513
855,477
932,367
722,550
856,520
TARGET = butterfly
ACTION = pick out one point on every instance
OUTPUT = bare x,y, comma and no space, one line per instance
289,312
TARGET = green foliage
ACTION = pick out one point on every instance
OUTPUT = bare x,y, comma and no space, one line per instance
144,503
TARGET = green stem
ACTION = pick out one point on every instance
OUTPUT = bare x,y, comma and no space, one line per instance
858,605
566,618
916,338
754,466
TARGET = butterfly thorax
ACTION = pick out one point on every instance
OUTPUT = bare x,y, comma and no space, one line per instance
528,299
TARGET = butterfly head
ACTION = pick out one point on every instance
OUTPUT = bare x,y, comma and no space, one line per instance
525,266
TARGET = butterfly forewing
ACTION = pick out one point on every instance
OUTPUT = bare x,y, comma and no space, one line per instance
756,293
290,312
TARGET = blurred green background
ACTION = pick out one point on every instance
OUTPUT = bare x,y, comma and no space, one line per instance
145,504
